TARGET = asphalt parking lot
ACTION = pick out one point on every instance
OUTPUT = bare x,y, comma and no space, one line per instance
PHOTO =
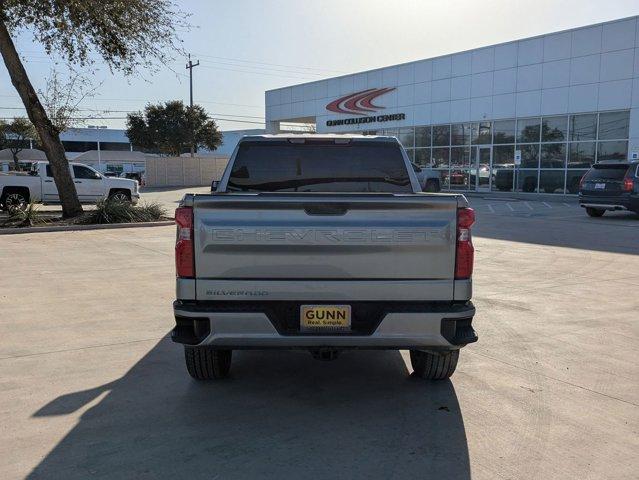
92,387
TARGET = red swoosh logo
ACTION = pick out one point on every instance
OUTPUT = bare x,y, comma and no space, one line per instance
359,103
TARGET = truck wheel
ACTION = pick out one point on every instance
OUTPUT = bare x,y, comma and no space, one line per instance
594,212
206,363
120,196
433,366
13,199
432,185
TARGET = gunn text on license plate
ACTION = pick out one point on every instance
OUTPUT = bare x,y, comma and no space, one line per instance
325,317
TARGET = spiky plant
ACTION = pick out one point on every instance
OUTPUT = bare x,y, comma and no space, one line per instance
26,216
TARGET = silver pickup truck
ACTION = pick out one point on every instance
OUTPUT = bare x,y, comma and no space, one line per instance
323,243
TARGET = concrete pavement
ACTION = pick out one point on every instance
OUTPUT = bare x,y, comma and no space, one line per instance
90,385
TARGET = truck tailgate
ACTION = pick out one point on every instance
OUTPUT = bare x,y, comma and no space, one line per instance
319,245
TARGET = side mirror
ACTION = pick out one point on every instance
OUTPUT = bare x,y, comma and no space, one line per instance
214,185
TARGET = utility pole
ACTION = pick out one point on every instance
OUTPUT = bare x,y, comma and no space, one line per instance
189,67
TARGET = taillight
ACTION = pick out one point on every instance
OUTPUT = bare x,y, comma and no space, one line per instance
184,250
628,184
465,252
581,181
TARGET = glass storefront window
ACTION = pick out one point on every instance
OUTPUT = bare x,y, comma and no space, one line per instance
526,180
581,155
504,155
411,154
422,156
612,151
554,129
504,131
441,157
460,134
406,137
583,127
553,155
481,133
555,150
422,136
529,155
441,135
613,125
460,157
552,181
444,179
503,179
572,180
460,179
528,130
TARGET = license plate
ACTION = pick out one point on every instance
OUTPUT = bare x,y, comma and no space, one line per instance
325,317
600,186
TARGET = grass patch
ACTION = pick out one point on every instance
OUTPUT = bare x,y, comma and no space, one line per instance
113,211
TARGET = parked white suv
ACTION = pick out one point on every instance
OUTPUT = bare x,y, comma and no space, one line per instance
38,186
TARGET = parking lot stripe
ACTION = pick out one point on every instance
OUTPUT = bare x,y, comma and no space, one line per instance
546,204
490,207
528,205
511,208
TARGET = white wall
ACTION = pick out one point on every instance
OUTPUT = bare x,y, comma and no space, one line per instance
587,69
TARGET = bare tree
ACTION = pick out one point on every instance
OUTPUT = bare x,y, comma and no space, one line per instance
62,98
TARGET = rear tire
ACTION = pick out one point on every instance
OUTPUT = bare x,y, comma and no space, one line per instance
432,366
14,199
206,363
594,212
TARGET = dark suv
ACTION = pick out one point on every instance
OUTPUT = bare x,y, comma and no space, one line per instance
610,186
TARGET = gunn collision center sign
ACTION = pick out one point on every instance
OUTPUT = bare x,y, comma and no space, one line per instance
361,103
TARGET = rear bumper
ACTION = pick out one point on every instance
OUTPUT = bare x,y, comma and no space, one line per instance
620,202
429,326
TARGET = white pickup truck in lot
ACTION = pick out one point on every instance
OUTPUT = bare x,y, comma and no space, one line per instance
38,186
323,243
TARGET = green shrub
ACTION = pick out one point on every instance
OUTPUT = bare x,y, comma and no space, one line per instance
113,211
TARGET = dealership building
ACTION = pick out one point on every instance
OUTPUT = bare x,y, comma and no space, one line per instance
529,115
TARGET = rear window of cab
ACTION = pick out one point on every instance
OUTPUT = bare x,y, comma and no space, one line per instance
319,166
609,172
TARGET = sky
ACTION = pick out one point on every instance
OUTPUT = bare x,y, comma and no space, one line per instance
246,47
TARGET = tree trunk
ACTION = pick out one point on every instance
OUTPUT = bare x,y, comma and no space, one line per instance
16,162
49,136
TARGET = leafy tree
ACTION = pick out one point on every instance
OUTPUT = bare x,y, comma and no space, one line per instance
172,128
127,35
15,136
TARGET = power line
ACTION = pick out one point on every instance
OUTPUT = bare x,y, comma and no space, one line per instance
134,111
297,75
217,119
263,68
272,64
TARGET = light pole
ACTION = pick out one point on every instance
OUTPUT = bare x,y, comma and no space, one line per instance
189,67
98,128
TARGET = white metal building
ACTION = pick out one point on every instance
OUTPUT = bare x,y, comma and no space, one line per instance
528,115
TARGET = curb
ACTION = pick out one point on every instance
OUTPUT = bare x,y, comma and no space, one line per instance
71,228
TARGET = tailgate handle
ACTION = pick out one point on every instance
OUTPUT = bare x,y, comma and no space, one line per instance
326,209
